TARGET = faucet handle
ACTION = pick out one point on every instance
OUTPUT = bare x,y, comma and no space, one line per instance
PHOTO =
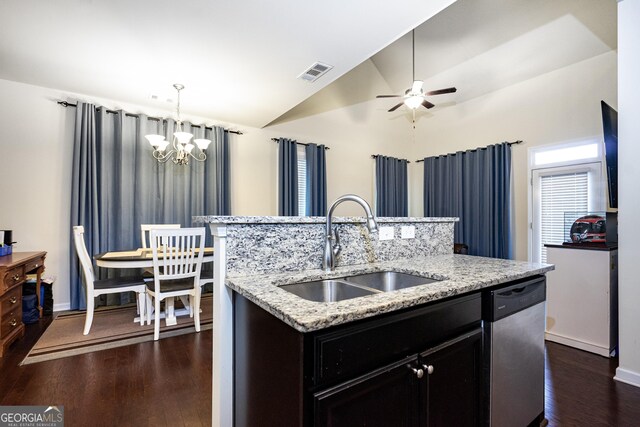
336,243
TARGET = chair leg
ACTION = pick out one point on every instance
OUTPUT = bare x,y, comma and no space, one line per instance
149,308
141,306
196,310
156,326
89,317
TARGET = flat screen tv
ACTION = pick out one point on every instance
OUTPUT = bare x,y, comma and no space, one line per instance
610,129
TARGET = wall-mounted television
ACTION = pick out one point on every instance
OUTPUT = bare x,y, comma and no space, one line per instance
610,129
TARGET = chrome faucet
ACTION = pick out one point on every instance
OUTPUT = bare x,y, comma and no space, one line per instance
332,243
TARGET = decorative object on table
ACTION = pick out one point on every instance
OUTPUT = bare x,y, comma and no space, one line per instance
177,261
181,148
585,227
96,288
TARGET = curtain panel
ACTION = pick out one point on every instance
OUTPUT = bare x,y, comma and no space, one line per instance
391,187
287,177
316,180
118,185
475,186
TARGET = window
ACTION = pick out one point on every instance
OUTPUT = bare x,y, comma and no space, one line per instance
564,179
302,180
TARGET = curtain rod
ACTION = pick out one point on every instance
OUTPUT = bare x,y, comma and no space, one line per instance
155,119
373,156
475,149
299,143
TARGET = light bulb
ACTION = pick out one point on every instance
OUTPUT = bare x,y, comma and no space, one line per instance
413,101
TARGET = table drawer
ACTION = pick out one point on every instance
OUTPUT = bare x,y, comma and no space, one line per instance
11,321
13,277
11,301
33,265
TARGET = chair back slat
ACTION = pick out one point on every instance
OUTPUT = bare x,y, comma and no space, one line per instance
177,253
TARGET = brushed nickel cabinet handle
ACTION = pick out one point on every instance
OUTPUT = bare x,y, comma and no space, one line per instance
428,368
13,322
13,300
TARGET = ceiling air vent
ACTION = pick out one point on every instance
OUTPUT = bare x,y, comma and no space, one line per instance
315,72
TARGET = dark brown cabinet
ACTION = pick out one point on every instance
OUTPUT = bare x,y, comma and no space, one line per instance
385,397
441,387
417,367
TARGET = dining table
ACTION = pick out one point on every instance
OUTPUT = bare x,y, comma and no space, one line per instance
143,258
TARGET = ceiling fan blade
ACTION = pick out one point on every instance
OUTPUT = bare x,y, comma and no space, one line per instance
388,96
427,104
395,107
441,91
417,86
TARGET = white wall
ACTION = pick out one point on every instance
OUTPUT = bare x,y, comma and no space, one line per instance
35,164
560,106
629,191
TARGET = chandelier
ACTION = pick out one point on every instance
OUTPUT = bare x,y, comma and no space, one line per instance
181,148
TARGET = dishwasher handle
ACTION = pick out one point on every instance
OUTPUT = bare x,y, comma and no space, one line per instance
505,301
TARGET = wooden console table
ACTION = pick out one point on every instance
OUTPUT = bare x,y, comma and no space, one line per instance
13,273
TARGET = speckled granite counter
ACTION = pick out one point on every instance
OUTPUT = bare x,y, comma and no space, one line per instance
459,274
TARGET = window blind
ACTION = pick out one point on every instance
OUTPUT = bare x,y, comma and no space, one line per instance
560,193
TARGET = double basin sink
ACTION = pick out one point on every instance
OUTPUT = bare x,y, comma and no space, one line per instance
332,290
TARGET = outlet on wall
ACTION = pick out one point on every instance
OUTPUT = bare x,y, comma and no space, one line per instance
408,232
385,233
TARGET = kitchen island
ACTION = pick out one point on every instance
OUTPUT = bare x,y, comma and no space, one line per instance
298,362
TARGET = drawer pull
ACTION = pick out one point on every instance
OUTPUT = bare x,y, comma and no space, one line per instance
13,322
36,266
16,277
13,300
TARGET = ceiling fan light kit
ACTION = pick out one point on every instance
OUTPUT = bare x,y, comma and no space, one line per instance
415,96
181,147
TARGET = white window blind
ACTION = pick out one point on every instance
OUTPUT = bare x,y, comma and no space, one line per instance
302,180
568,192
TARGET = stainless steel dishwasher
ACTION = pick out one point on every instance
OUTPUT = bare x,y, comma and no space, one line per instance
514,323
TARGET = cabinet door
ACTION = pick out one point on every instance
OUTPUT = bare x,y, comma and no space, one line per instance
450,396
385,397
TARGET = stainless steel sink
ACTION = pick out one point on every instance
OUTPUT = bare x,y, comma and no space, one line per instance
355,286
327,290
387,281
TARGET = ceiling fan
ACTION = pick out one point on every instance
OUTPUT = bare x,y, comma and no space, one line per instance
415,96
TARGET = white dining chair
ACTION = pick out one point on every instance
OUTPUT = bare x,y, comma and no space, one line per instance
95,288
177,263
145,228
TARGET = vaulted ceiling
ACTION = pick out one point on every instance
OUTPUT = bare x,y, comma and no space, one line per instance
239,60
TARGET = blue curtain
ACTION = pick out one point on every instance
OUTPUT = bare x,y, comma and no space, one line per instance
316,180
117,184
287,177
391,187
475,186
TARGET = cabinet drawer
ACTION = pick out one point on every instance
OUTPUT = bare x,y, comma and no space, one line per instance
13,277
34,264
10,321
11,301
369,344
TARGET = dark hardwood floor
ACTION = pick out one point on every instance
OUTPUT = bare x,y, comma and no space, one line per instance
162,383
168,383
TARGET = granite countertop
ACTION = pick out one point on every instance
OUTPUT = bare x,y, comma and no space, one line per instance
459,274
